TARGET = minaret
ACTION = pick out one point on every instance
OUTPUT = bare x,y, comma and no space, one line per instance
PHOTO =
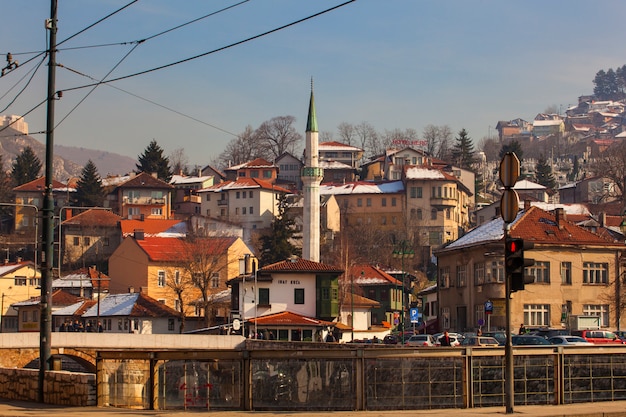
312,176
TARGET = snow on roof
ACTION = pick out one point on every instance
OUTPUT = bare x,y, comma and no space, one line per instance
567,208
424,173
493,230
184,179
547,122
72,281
333,165
68,310
362,188
528,185
114,305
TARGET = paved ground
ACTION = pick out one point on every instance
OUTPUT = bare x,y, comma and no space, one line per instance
600,409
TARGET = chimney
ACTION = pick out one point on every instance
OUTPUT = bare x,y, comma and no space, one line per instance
603,219
131,290
559,213
138,234
526,205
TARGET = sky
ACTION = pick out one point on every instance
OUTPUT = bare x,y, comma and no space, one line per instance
395,64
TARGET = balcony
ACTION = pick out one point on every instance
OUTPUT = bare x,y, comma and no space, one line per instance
144,201
222,202
443,202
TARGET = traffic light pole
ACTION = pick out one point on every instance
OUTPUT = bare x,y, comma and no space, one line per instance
508,347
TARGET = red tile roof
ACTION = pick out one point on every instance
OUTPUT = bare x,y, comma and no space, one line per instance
144,180
287,318
146,306
170,249
149,226
246,182
370,275
94,217
300,265
38,185
540,226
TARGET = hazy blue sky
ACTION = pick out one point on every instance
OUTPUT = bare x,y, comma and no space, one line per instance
392,63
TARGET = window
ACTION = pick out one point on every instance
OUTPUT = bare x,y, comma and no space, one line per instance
156,211
383,202
24,316
419,192
383,220
461,276
448,214
105,241
480,313
19,281
433,214
359,202
208,196
86,241
264,296
496,273
243,210
170,325
541,272
267,173
34,282
479,273
35,316
215,280
368,202
254,174
244,194
595,273
161,279
251,210
601,310
393,202
298,296
445,317
76,241
134,211
566,273
444,280
237,211
537,314
237,194
177,277
250,194
419,214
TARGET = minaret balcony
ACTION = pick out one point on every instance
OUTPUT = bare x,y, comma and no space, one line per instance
313,172
443,202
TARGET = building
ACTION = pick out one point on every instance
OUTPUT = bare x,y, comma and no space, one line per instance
19,281
575,274
29,311
375,284
340,152
298,286
162,267
186,200
29,200
256,169
289,171
248,202
141,196
89,238
590,190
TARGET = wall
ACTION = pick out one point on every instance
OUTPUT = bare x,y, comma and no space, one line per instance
61,388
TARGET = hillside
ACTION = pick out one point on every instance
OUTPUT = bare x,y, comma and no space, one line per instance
68,160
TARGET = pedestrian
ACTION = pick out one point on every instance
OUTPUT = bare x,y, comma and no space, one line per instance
522,329
479,332
445,339
100,328
89,327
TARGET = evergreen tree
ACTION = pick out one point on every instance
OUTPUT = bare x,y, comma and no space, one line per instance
276,245
152,160
89,190
513,146
543,173
6,195
573,174
463,152
26,167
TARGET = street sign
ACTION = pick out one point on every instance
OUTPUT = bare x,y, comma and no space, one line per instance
488,307
414,315
509,205
509,169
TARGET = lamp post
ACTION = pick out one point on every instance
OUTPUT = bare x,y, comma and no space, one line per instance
402,251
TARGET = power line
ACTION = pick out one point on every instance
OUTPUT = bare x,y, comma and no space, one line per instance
218,49
34,71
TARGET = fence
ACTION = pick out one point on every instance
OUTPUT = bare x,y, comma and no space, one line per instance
350,377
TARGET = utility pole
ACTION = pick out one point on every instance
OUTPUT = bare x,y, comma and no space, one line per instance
45,330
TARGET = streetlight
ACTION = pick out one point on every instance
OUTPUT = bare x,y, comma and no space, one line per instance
402,251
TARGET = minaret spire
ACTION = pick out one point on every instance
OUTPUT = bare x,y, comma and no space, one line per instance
311,176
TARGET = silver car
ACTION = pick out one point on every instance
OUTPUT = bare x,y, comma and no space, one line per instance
420,340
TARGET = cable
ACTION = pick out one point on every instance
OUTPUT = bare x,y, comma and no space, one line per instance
218,49
22,90
153,102
24,115
96,86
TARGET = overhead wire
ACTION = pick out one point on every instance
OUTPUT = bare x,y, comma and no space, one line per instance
219,49
34,71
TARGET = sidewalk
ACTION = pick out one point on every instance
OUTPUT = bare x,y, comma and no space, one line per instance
599,409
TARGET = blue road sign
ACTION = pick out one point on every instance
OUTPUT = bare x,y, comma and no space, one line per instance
414,315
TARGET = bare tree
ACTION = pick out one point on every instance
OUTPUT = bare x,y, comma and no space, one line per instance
179,162
243,148
347,133
612,165
326,136
490,147
182,285
445,139
431,136
278,135
205,260
367,136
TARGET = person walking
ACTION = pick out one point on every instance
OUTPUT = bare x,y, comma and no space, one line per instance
445,339
522,329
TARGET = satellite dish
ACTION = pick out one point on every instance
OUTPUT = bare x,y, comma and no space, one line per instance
236,324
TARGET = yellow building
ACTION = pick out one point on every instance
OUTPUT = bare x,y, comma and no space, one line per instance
160,267
575,274
18,282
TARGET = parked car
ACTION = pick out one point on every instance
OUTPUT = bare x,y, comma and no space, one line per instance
547,333
499,336
528,340
479,341
454,339
420,340
569,341
598,337
390,339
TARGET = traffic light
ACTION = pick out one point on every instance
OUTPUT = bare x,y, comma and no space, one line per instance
515,263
